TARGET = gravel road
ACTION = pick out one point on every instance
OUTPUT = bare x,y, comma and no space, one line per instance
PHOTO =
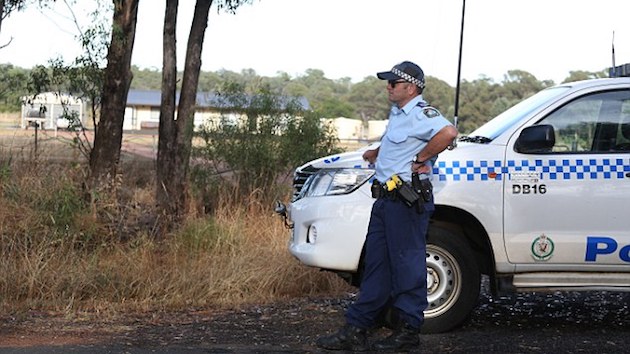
561,322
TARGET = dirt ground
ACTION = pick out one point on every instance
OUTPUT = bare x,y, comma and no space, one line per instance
562,322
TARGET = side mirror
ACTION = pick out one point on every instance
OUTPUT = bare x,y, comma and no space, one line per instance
535,139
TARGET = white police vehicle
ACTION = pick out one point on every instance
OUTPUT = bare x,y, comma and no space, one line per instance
538,199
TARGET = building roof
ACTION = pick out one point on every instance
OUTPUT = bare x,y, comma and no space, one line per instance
152,98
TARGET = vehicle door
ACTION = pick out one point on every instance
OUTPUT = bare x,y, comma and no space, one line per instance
568,205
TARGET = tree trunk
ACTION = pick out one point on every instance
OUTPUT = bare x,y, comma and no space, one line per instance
168,128
173,184
105,155
1,14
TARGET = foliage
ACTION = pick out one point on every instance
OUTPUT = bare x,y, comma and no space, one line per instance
82,78
230,6
9,6
369,99
441,95
85,76
62,205
12,87
480,99
585,75
259,138
55,256
5,169
46,196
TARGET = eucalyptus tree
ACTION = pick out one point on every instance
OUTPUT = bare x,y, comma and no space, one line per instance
577,75
175,135
369,98
6,8
105,154
12,87
440,95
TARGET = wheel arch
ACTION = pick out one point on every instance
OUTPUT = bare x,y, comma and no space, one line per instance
457,221
462,222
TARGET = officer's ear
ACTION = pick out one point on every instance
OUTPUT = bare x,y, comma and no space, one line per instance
413,89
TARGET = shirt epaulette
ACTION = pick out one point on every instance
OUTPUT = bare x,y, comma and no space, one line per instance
428,111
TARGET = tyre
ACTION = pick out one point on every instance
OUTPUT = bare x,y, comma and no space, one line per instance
453,281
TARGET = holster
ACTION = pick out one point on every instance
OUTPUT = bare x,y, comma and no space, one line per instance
422,187
408,195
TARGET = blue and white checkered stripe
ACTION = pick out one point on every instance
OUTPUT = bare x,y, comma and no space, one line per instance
553,169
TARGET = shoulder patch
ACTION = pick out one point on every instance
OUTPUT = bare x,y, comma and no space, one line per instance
431,112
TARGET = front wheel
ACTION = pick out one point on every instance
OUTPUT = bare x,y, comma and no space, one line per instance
453,281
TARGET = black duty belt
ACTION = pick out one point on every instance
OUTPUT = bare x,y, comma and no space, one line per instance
412,197
379,191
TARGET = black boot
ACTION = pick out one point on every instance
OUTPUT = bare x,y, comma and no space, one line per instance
347,338
389,318
404,337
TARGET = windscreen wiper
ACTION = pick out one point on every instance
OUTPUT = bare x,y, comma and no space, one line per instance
475,139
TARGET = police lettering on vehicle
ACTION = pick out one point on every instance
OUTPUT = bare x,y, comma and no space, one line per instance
603,245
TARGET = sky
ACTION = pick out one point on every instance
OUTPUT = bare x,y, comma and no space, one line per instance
357,38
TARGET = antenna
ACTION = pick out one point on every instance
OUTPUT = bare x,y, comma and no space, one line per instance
622,70
459,72
614,68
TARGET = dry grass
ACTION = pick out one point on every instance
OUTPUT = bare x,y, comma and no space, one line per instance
57,255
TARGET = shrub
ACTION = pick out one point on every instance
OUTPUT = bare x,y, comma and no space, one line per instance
256,143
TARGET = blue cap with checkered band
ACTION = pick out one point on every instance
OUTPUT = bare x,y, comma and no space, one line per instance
407,71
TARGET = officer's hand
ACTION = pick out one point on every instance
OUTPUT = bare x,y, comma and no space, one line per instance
422,168
370,156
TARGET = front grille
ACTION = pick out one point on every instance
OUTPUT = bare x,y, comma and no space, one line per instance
299,179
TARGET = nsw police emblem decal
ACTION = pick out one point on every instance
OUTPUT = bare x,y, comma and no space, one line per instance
542,248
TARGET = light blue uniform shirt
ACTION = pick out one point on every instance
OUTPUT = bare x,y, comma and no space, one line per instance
408,131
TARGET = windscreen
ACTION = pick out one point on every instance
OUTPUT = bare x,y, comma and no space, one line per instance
507,119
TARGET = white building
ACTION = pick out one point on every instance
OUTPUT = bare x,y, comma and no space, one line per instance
143,109
50,110
353,129
347,128
376,128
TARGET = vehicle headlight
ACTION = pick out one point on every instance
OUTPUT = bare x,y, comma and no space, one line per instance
335,181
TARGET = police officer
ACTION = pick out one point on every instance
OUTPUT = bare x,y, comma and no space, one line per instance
395,258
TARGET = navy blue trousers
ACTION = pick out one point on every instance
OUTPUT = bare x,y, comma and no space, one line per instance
395,264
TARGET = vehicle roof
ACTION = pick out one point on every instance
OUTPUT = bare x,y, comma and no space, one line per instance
596,82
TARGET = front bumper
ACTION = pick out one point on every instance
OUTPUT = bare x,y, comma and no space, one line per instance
328,232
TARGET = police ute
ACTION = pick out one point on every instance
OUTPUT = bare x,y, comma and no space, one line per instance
537,199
